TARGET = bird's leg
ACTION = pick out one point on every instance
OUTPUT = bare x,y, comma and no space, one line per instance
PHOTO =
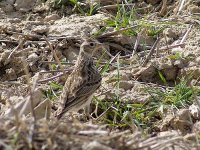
73,119
87,112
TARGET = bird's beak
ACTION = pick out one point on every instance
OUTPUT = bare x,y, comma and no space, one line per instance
99,45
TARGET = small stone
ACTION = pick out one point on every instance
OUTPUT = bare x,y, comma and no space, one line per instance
170,73
126,85
195,70
52,17
195,112
176,50
194,9
146,73
33,57
41,29
182,121
43,110
3,58
11,75
24,5
179,63
170,33
113,77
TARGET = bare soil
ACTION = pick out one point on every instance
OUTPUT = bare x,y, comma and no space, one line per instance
28,70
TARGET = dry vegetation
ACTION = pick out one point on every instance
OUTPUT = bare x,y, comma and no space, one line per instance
149,98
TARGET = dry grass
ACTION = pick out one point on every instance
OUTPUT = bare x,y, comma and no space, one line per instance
69,135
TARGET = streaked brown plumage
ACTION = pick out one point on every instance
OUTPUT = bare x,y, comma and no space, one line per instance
82,82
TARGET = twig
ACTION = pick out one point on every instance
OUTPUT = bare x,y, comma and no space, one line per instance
8,41
113,58
54,71
55,56
181,6
68,71
163,8
27,36
101,115
151,52
51,78
170,46
21,42
53,62
107,52
29,84
137,43
186,34
11,82
126,56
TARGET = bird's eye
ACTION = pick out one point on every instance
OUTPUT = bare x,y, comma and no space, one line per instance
92,44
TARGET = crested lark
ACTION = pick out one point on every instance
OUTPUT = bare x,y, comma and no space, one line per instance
82,82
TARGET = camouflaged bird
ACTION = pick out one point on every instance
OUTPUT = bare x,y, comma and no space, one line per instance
82,82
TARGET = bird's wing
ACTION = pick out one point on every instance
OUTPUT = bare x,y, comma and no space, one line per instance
83,86
77,89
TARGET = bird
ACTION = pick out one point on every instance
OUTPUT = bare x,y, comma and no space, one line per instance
84,80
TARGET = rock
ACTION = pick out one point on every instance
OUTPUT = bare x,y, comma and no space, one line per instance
7,6
23,107
33,57
33,67
195,70
182,121
52,17
165,124
194,9
10,1
41,8
24,5
176,50
164,64
10,74
195,111
41,29
169,32
126,85
146,73
179,63
170,73
3,58
82,24
71,53
43,110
